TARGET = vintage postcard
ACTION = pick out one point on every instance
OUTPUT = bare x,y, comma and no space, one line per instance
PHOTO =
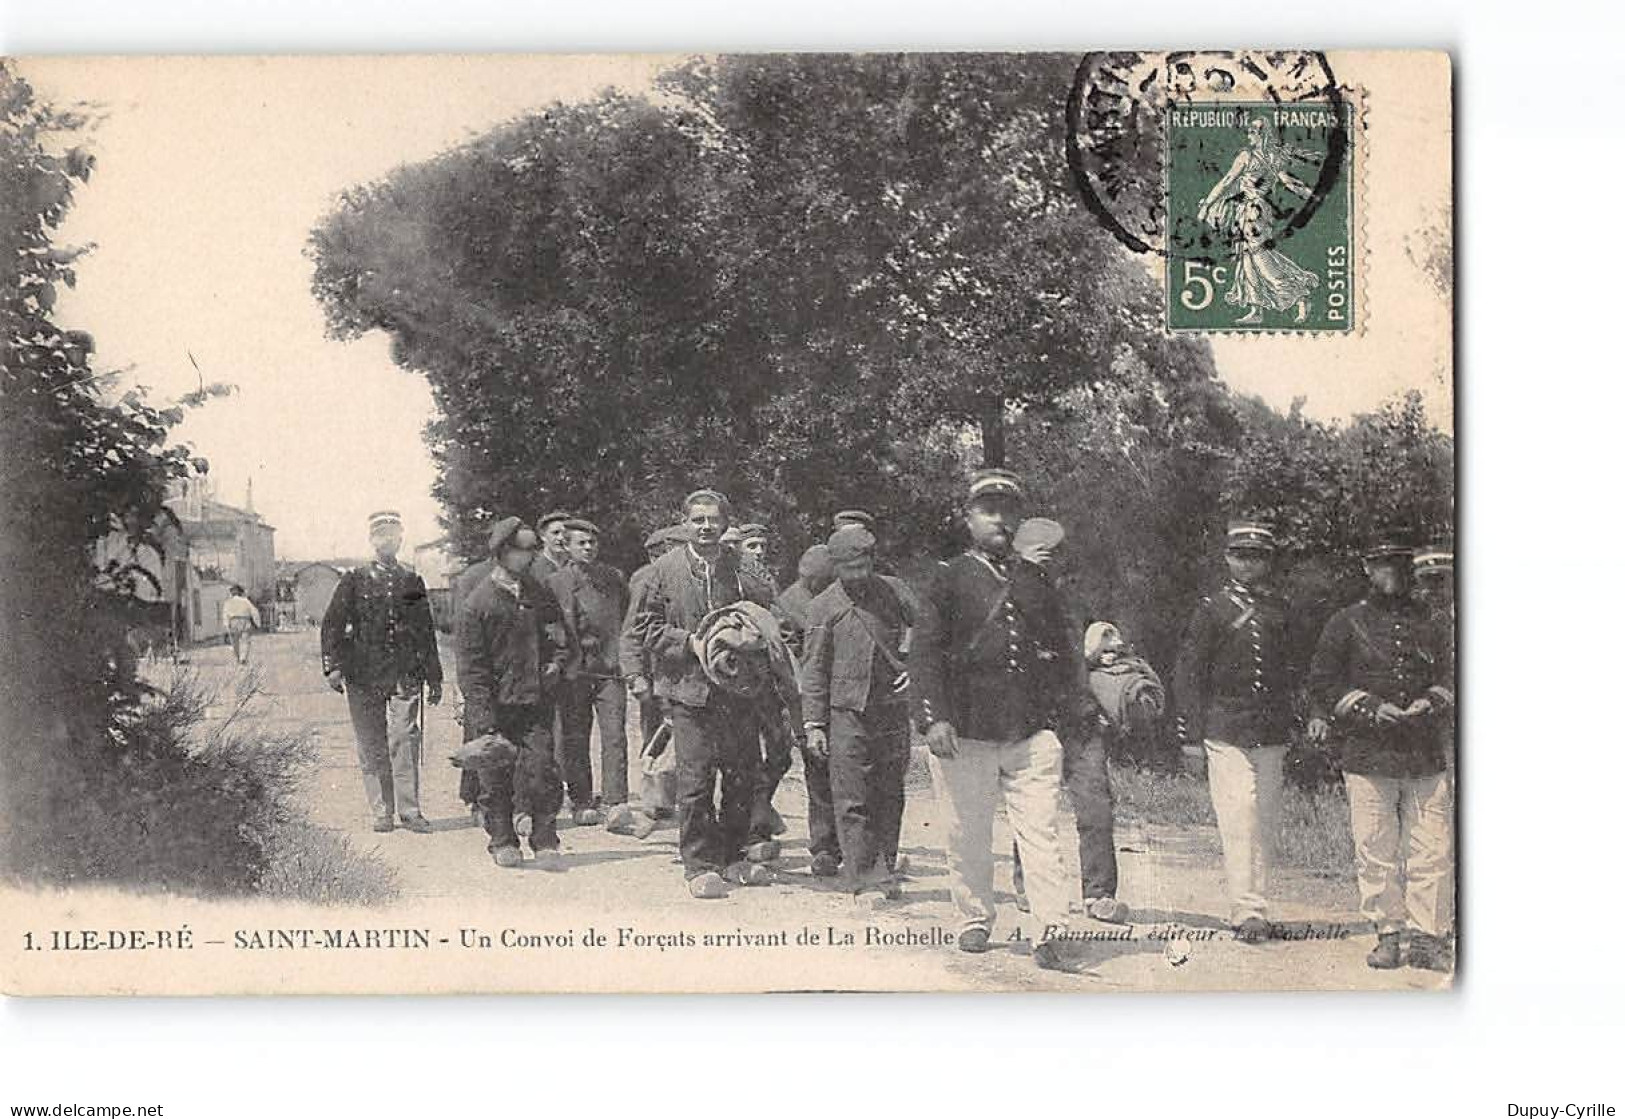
728,523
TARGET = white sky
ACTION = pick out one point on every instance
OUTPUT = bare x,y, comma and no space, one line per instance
211,174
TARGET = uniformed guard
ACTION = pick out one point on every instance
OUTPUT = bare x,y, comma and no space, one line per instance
1434,574
1381,680
508,665
1233,702
854,688
993,680
593,596
814,572
378,647
1084,769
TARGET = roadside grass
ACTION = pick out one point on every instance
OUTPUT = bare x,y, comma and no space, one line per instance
1314,833
212,806
317,865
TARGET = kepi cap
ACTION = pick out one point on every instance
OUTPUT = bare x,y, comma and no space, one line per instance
853,517
1247,535
384,518
994,483
553,516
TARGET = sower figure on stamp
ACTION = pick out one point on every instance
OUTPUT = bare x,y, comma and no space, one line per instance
1084,770
715,731
854,691
1381,680
378,647
778,744
508,666
593,596
814,572
993,680
656,789
1233,702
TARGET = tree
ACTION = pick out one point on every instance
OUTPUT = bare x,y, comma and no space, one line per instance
812,281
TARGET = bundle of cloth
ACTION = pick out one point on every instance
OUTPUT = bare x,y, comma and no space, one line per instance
744,652
488,751
1128,689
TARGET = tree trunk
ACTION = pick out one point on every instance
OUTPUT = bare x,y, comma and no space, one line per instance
993,433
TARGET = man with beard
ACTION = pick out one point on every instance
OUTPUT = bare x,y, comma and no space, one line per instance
715,731
854,685
993,681
1233,701
1381,681
379,648
508,667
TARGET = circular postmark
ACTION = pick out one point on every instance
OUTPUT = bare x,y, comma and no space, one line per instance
1117,136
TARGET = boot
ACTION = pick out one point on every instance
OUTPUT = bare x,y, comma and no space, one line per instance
1385,956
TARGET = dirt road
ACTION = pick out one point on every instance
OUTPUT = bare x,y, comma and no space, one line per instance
1171,879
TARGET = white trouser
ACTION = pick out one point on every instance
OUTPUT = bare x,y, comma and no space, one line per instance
1402,850
1026,776
1246,788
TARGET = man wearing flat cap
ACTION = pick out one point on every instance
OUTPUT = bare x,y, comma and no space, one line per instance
378,647
993,681
508,666
593,597
845,517
716,732
814,572
854,689
1382,679
553,529
545,564
1233,690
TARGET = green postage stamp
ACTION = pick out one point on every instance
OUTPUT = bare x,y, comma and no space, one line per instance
1260,217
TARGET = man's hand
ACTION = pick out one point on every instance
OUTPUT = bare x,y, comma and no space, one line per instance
818,742
942,740
436,693
638,686
1318,730
1418,708
335,680
1388,715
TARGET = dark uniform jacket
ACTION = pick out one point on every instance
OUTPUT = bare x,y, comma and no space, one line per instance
1384,650
855,650
666,610
504,643
378,630
593,599
1233,680
991,654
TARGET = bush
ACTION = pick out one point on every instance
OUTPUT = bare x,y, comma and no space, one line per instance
188,800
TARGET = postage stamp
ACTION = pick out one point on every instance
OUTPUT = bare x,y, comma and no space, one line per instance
1260,217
